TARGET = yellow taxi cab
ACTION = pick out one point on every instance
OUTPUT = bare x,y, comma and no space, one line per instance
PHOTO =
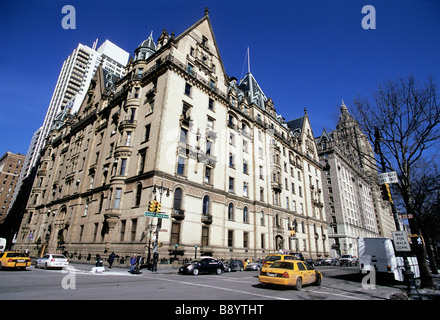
290,273
246,262
271,258
14,259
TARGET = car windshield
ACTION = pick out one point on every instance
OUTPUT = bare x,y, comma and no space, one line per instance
282,265
346,256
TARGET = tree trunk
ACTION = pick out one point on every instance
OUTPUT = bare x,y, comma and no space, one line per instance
419,251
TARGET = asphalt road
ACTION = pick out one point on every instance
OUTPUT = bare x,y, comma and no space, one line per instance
339,283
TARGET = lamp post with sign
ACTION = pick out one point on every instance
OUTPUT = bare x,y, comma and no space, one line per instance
399,244
159,216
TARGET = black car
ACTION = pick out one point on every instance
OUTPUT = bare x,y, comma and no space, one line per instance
202,265
234,265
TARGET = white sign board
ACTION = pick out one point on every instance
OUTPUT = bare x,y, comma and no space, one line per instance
388,177
401,243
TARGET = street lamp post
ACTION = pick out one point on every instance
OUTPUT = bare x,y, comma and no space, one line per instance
161,190
408,275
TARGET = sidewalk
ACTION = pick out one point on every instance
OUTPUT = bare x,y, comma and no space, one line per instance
89,265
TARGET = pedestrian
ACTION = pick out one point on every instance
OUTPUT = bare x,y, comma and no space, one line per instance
132,262
138,262
111,258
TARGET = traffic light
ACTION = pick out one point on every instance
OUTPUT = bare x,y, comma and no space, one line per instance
386,194
152,206
158,206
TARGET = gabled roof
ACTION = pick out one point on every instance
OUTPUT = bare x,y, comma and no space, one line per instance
324,135
296,124
205,19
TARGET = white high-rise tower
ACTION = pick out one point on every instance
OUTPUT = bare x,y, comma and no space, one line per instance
73,82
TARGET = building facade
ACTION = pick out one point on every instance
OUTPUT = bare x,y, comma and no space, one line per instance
10,168
234,178
353,201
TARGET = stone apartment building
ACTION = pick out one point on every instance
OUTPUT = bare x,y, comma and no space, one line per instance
353,201
234,178
10,167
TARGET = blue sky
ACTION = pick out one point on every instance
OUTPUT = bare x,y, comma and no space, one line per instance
304,54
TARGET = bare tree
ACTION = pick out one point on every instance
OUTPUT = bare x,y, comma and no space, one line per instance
408,118
426,192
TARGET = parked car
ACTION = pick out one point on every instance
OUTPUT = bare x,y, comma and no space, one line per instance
254,266
310,262
298,255
233,265
290,273
348,260
52,260
202,265
320,262
14,260
271,258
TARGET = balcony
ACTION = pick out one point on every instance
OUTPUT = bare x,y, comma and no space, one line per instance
185,120
276,185
178,214
123,151
206,219
125,124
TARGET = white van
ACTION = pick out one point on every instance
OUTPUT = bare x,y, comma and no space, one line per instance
378,253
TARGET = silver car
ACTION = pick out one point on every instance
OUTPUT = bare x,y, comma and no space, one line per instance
255,266
52,260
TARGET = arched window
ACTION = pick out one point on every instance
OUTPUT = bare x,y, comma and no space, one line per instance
231,211
206,205
177,199
245,214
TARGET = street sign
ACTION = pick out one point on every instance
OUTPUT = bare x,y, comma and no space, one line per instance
401,243
387,177
156,215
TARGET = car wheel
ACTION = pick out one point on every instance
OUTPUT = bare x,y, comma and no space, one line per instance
195,272
298,284
219,271
229,269
241,269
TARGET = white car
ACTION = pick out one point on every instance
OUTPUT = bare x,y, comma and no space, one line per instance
52,260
